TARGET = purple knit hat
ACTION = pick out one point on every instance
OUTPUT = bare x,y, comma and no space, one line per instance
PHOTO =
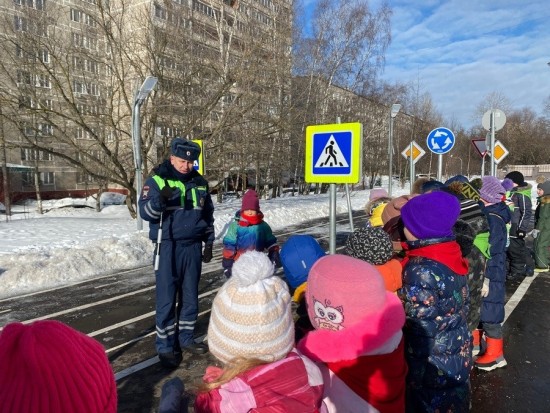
431,215
491,190
507,184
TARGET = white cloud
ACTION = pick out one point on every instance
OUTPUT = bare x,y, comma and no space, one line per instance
461,51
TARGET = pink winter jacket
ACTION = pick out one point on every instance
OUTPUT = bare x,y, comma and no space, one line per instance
291,385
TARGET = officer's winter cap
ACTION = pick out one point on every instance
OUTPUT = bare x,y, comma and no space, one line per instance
431,215
185,149
370,244
251,315
48,367
491,190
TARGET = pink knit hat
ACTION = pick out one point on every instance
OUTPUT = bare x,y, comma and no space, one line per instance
377,193
348,303
48,367
250,201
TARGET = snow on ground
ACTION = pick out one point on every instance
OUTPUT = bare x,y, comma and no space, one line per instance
72,242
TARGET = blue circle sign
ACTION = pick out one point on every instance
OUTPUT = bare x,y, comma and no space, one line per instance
440,140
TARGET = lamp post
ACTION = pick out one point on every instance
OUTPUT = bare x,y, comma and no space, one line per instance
393,113
139,97
460,159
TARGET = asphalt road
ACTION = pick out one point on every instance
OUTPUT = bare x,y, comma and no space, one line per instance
118,310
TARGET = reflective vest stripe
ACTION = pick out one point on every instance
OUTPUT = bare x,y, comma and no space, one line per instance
178,184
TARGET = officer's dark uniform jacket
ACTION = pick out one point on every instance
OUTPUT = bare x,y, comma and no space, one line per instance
189,213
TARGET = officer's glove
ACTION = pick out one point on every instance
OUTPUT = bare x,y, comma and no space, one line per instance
485,288
520,234
166,193
207,253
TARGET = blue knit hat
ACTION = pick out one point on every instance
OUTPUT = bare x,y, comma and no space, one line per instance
298,255
185,149
431,215
431,185
456,178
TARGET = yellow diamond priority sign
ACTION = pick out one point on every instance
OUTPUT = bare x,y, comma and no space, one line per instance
417,152
500,152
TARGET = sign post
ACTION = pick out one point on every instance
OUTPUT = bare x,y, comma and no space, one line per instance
440,141
333,155
413,153
493,120
481,147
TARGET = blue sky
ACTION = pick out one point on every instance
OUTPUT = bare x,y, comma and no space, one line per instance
460,51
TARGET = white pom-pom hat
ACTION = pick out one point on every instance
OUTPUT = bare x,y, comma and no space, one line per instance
251,315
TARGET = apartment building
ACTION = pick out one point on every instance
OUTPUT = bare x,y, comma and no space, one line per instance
70,69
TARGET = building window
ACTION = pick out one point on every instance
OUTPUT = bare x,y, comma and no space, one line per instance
34,4
160,12
35,154
47,178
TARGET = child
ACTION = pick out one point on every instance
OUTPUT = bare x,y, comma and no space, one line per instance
247,232
542,227
472,234
391,217
358,341
47,366
251,332
518,255
374,246
435,297
298,255
377,199
492,309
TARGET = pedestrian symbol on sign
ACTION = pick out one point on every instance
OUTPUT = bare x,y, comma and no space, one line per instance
331,156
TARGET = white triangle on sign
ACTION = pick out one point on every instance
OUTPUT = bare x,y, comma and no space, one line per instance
331,157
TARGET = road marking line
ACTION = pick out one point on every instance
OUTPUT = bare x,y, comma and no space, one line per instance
136,367
517,296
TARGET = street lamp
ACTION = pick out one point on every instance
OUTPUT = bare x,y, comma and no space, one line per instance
139,97
393,113
460,159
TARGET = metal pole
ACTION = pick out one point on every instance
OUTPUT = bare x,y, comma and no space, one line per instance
137,157
390,155
483,164
350,213
493,171
332,219
411,166
439,167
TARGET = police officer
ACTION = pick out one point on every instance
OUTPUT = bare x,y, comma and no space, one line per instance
176,202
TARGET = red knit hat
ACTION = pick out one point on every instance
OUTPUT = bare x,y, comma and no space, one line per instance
48,367
250,201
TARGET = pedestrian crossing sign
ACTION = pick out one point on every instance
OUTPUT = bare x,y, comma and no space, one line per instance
333,153
198,165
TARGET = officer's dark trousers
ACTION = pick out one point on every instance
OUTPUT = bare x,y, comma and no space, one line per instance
177,282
